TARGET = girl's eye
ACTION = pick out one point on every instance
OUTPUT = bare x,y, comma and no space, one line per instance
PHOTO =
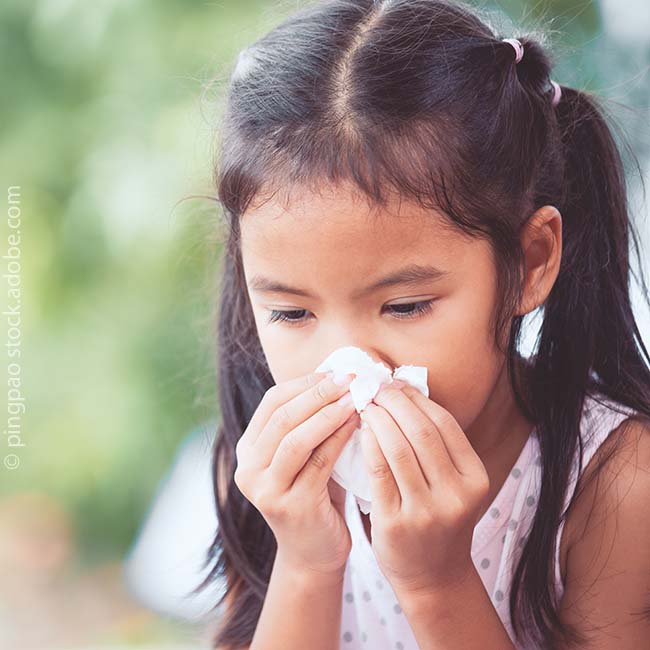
411,310
418,308
287,316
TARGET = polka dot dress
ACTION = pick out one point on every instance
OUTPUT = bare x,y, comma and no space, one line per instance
371,616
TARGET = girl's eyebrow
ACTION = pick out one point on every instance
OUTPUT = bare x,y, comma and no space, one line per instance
411,274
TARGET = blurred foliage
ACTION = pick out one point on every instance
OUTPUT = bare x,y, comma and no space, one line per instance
106,128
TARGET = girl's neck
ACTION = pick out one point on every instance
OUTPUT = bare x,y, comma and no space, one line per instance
499,434
500,421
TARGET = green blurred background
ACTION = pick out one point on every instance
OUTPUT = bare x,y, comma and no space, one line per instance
108,117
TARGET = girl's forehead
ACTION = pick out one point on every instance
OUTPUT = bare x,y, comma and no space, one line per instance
336,223
333,245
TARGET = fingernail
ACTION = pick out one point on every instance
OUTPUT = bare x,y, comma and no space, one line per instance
344,380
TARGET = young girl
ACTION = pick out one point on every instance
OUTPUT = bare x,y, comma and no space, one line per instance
399,178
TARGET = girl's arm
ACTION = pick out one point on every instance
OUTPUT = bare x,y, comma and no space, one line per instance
607,595
455,618
301,610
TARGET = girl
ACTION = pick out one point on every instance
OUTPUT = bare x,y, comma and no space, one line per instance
399,178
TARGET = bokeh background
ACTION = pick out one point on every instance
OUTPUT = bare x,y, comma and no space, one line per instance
108,116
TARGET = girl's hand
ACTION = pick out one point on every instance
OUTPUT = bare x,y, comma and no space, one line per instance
285,459
427,486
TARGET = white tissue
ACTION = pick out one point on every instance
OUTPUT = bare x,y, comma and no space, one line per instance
349,470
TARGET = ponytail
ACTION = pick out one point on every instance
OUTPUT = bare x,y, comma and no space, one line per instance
589,340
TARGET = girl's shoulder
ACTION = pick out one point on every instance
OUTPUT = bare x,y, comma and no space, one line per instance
613,436
601,416
607,570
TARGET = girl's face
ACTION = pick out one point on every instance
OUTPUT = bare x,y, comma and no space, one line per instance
326,272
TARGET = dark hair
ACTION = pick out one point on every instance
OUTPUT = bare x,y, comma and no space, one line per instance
421,98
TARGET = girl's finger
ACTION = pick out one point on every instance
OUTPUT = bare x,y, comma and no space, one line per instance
290,415
422,433
399,454
273,399
318,469
384,492
296,448
458,446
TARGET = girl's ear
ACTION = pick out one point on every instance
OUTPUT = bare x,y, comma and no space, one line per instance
541,243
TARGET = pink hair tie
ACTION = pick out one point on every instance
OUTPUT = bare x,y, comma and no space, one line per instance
519,55
519,48
557,93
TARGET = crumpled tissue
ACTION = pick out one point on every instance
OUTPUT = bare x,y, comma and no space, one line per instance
349,470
